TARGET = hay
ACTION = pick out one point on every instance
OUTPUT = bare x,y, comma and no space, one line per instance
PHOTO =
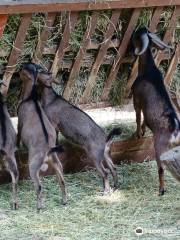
89,215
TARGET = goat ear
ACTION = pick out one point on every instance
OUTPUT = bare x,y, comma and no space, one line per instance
145,42
158,42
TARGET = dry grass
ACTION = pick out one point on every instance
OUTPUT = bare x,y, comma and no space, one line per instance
89,215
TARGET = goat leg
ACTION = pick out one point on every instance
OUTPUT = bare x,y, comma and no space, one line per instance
56,164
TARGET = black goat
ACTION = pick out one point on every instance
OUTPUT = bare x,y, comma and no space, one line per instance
151,97
79,128
8,147
38,134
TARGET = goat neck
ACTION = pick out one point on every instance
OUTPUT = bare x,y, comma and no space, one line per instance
48,95
146,62
26,90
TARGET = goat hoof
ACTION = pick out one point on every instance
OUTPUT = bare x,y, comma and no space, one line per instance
161,191
64,202
107,192
115,187
15,206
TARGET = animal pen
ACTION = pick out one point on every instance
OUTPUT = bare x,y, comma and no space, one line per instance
78,40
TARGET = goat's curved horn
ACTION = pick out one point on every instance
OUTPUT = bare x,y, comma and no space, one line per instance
145,42
158,42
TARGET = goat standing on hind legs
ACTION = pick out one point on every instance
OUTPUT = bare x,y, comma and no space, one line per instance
37,134
150,96
79,128
8,147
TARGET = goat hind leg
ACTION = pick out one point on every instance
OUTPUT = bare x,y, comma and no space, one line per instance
104,174
159,145
34,169
12,168
56,164
112,169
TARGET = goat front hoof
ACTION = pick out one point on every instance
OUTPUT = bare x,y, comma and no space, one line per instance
162,191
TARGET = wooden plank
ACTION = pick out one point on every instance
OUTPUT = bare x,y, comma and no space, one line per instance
121,51
15,52
3,21
172,66
29,6
80,56
75,159
47,29
100,56
152,27
72,18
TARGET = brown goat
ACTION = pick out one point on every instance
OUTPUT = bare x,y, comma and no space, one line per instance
37,134
8,147
79,128
150,96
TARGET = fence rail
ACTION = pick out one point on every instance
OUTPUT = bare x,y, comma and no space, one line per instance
28,6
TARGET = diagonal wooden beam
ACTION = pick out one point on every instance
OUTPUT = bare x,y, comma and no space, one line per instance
169,33
172,66
80,56
15,52
72,18
121,51
47,30
101,55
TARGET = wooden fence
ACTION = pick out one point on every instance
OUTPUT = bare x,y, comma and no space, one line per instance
136,150
58,51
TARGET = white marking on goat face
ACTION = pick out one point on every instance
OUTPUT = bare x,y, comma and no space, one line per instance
171,154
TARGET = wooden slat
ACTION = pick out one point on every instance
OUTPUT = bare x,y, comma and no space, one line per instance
169,33
172,66
72,18
3,21
79,58
47,29
100,56
152,27
15,52
121,51
29,6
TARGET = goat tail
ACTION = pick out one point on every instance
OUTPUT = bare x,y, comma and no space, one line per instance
113,132
57,149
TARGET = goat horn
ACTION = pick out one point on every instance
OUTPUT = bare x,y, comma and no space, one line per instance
145,42
157,41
